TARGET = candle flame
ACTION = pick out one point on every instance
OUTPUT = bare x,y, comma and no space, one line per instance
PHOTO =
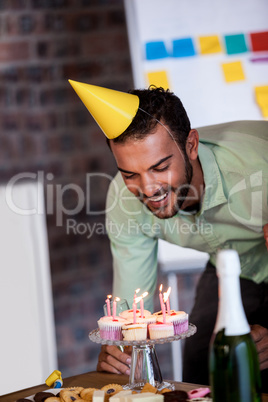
166,294
138,299
144,295
137,290
117,299
160,288
109,296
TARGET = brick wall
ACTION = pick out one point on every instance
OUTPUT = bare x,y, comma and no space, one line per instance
45,127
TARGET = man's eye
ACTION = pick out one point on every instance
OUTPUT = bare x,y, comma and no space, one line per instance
161,169
129,176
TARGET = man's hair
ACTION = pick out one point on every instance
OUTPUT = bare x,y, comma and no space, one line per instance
160,104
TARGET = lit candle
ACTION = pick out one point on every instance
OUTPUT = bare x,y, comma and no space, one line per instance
134,307
163,308
161,298
114,307
136,292
107,301
166,300
142,303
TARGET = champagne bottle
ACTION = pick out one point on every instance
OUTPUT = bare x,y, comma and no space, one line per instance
233,361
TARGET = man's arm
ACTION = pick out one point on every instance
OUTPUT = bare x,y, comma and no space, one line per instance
260,336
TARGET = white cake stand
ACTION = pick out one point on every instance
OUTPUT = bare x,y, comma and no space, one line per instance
144,363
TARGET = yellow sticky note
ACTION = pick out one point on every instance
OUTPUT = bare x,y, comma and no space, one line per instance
261,94
158,78
264,111
233,71
210,44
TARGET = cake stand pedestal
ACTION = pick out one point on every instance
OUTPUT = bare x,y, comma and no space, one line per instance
144,363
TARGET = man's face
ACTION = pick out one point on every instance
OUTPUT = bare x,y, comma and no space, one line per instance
155,171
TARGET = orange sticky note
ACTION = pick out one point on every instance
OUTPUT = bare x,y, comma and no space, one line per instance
158,78
210,44
233,71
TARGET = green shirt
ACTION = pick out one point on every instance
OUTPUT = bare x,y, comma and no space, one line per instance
234,159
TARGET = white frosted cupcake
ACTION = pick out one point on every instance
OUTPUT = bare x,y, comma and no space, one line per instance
111,328
161,330
134,332
179,319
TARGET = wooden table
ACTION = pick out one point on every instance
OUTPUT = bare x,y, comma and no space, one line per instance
96,380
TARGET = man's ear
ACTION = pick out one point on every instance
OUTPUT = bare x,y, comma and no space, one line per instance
192,143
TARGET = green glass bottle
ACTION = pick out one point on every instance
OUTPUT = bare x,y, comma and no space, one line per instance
234,365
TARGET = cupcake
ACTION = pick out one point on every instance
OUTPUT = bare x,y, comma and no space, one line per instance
161,330
128,314
111,328
179,319
134,332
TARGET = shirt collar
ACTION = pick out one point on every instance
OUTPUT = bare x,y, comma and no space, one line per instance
214,194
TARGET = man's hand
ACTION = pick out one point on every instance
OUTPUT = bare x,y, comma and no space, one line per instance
265,232
260,336
111,359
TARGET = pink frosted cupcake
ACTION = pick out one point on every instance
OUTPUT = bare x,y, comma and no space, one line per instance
111,328
161,330
179,319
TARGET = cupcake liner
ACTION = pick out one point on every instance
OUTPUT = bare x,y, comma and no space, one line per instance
180,327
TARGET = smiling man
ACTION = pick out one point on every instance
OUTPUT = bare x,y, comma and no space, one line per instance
205,189
156,171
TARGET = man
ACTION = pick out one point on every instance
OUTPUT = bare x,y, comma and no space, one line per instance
205,189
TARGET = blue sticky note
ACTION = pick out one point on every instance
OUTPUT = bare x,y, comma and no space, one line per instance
235,44
183,47
155,50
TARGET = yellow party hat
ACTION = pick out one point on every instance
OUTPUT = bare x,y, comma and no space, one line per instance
112,110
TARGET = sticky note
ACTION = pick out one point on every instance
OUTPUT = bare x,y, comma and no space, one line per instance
235,44
210,44
261,94
183,47
233,71
155,50
259,41
158,78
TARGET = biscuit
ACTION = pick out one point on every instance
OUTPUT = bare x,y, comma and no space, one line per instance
77,390
110,390
87,394
70,396
23,400
42,396
149,388
176,396
164,390
53,399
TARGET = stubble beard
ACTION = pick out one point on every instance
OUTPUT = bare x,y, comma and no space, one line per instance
168,211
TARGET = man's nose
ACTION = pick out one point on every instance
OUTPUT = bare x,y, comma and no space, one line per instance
149,186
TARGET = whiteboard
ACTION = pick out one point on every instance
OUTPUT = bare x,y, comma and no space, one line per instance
200,79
